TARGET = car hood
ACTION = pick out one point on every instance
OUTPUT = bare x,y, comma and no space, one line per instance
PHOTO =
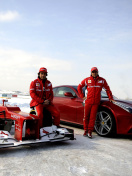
127,102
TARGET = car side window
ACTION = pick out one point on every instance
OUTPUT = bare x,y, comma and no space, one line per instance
54,91
61,91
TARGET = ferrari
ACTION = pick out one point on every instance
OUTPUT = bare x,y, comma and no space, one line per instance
112,117
19,128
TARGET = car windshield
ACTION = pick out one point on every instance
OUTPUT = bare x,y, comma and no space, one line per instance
84,88
103,93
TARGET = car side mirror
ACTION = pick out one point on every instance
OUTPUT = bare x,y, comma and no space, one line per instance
68,94
4,101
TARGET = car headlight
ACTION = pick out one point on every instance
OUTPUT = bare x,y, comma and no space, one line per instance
124,106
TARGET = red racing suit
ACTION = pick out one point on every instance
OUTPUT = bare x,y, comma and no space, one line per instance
94,88
40,91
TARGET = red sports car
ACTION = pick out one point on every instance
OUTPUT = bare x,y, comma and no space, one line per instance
111,117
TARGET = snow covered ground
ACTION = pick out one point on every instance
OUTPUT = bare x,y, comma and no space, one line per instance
21,101
82,157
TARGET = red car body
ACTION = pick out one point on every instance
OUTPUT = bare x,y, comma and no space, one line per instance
19,128
71,108
13,113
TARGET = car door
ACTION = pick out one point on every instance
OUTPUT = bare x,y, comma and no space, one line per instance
67,106
80,107
80,111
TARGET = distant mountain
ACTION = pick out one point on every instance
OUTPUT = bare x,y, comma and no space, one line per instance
14,92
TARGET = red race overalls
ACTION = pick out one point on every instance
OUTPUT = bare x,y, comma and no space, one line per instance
94,88
40,91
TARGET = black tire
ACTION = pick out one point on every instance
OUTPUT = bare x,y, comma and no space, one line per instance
2,124
105,123
47,120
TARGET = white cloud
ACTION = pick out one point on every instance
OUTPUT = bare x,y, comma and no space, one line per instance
28,60
9,16
121,36
19,68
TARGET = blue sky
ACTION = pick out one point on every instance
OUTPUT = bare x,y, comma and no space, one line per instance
68,37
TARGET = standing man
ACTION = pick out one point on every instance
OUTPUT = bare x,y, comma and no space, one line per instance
42,95
94,85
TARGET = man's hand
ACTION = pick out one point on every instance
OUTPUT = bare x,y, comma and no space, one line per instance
46,102
84,98
111,100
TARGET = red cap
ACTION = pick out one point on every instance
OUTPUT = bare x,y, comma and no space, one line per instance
43,69
94,69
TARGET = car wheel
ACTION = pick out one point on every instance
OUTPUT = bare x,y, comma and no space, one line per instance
105,123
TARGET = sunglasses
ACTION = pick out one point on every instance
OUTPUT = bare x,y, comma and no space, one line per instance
94,71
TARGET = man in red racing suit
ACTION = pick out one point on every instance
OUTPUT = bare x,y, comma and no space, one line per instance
42,95
94,85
